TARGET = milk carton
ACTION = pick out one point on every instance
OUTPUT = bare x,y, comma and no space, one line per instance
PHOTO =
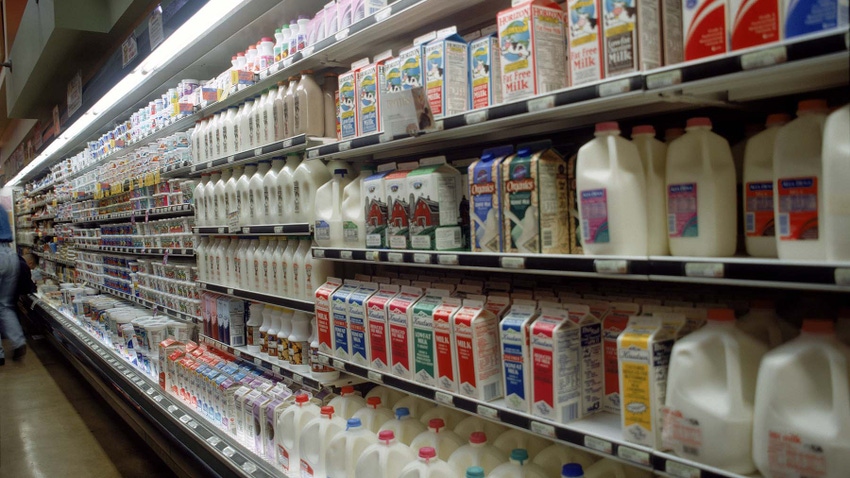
516,354
613,324
424,348
324,322
401,331
339,315
583,27
644,353
349,122
704,27
753,23
371,84
485,195
358,327
531,41
592,375
671,24
377,315
485,70
405,71
446,62
802,17
374,197
535,201
444,344
556,366
434,221
479,360
632,36
398,205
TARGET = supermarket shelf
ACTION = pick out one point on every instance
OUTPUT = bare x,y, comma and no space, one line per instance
293,229
294,304
218,454
145,303
154,213
42,203
139,251
44,218
53,258
282,372
41,189
63,221
743,271
290,145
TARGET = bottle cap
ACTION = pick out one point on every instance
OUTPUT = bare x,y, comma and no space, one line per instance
386,435
328,410
477,437
353,423
302,398
402,412
269,39
777,119
475,472
427,452
607,126
436,423
572,470
373,402
519,454
818,326
643,129
346,390
701,121
812,105
721,315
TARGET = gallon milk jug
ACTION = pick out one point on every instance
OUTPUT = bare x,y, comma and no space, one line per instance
404,426
219,197
315,438
439,438
518,467
271,194
513,439
450,416
346,447
701,213
762,323
285,180
231,200
347,403
552,458
759,225
415,406
288,431
199,199
353,210
475,424
309,106
306,180
209,198
428,466
653,157
384,459
374,415
328,227
611,189
258,202
477,453
289,107
243,194
802,413
710,393
389,396
607,468
798,197
836,177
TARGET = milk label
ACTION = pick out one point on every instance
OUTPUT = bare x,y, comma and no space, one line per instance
377,314
375,201
798,208
682,219
348,120
392,75
401,331
485,67
613,325
753,22
478,356
358,326
555,356
485,197
434,190
444,345
704,26
807,16
424,348
632,35
398,207
516,343
371,85
339,314
410,69
447,75
583,24
758,209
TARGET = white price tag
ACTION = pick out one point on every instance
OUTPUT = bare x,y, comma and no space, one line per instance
338,364
298,379
229,291
664,79
192,424
488,412
448,259
324,360
228,452
375,376
712,270
276,369
373,256
598,444
249,467
348,255
341,35
383,14
313,153
763,58
444,398
230,160
681,470
222,230
307,51
278,229
246,230
842,276
319,253
422,258
539,104
344,146
213,440
287,143
202,285
258,151
158,398
396,257
185,419
513,262
611,266
475,117
614,87
544,429
635,456
257,361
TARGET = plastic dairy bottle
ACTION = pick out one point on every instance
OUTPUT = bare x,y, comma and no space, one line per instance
513,439
228,132
290,424
284,333
611,190
477,453
287,269
252,332
348,402
315,438
353,210
329,94
759,225
196,142
307,178
251,58
246,127
404,426
299,344
269,131
238,132
214,133
200,254
284,45
266,52
243,194
518,467
280,131
762,323
309,106
257,203
255,265
714,403
384,459
450,416
475,424
428,466
802,408
299,270
257,116
653,157
200,201
230,261
289,107
415,406
209,198
798,197
293,37
287,187
701,217
388,396
231,198
328,227
438,437
219,197
836,177
272,341
374,415
271,194
278,44
552,458
346,447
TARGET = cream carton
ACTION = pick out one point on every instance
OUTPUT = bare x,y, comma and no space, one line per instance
377,314
585,41
357,323
424,346
531,41
644,353
613,324
704,27
485,70
444,344
479,360
371,86
374,195
515,335
398,205
446,61
556,366
534,203
632,33
401,331
339,315
485,198
324,321
434,213
592,372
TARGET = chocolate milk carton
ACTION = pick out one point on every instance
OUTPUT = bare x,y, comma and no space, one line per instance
632,32
485,70
583,36
446,62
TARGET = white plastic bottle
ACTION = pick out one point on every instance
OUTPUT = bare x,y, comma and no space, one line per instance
477,453
268,313
428,466
279,125
246,126
278,44
252,332
289,107
389,397
519,466
197,143
328,226
287,269
299,270
259,127
293,37
450,416
802,412
243,192
231,198
200,200
243,263
284,333
404,426
439,437
759,225
552,458
290,424
762,323
307,178
257,205
200,255
374,415
271,194
346,447
653,157
348,402
315,438
272,342
384,459
798,174
299,343
329,94
354,210
309,106
228,136
303,33
209,198
836,177
286,182
269,116
255,256
266,52
701,210
219,199
611,191
265,266
230,263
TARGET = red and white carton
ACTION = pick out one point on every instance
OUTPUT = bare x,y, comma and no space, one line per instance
377,316
166,348
704,26
324,323
401,331
556,366
613,324
479,358
444,344
754,22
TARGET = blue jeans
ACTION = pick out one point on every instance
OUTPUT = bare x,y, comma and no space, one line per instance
9,323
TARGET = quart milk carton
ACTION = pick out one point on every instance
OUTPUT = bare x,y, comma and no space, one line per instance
377,314
613,324
370,90
644,352
357,323
446,61
485,70
556,366
424,347
671,24
531,41
802,17
592,372
535,201
405,71
349,121
339,315
583,34
632,34
753,22
398,205
479,360
434,213
444,344
324,322
704,26
515,334
485,197
401,331
374,194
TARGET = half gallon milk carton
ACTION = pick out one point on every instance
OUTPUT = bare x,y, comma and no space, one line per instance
444,344
583,35
753,22
556,366
349,105
324,322
374,196
485,197
358,326
377,314
446,61
531,41
535,201
424,349
401,331
434,188
479,360
802,17
370,90
671,24
644,352
339,315
485,72
704,26
398,205
632,34
613,324
515,334
592,384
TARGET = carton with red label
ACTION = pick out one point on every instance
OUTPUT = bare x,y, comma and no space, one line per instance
479,358
753,22
704,26
556,366
401,331
324,323
444,344
377,316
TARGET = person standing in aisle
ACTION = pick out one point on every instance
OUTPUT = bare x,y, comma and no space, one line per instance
9,269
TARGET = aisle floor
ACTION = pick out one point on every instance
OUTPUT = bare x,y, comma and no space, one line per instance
52,423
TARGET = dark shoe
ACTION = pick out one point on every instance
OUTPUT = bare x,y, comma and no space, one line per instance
19,353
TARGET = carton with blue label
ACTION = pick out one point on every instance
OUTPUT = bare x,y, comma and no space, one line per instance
801,17
404,72
485,197
357,323
370,88
434,210
485,65
446,61
514,331
339,314
349,110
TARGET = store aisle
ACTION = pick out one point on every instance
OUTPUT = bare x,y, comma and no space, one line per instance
53,424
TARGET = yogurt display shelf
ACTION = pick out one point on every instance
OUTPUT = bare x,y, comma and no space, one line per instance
176,210
150,305
294,304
